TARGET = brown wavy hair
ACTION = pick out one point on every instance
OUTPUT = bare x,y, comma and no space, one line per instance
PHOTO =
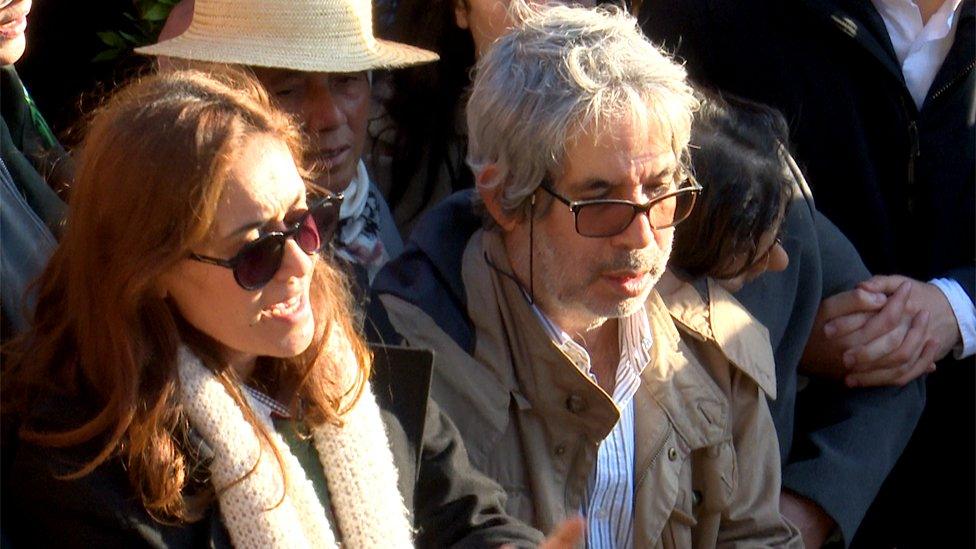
149,177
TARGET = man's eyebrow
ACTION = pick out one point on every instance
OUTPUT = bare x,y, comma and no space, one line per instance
592,183
665,173
276,76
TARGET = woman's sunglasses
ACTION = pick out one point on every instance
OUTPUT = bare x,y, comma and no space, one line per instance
257,262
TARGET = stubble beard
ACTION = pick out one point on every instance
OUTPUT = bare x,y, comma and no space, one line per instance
566,294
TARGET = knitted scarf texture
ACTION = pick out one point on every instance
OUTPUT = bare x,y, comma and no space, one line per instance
356,459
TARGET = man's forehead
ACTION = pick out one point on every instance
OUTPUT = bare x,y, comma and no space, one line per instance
274,74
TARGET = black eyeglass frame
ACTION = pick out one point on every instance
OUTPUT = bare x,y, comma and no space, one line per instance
688,185
335,200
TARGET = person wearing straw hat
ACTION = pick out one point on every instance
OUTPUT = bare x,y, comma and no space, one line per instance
314,57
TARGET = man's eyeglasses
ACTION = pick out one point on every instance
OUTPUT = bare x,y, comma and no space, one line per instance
257,262
604,218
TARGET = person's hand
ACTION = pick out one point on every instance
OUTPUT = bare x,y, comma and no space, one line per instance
836,330
893,346
809,518
567,535
943,328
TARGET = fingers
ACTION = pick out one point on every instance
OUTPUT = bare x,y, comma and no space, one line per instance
853,301
898,376
875,354
566,535
885,284
900,346
847,324
885,321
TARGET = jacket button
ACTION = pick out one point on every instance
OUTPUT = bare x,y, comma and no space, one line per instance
696,497
672,453
576,403
561,449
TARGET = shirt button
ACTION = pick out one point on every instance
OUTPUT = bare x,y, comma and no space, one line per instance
576,403
601,514
672,453
560,450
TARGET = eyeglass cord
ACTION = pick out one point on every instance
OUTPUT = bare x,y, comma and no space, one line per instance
531,293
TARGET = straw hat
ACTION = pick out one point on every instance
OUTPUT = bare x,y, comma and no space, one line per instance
305,35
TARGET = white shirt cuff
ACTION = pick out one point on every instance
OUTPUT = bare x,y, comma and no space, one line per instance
965,312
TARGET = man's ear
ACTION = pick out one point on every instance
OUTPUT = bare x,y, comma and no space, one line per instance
461,14
490,192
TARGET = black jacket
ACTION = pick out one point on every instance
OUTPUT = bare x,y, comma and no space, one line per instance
452,504
897,180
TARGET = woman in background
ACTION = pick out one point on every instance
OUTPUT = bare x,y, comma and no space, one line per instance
733,234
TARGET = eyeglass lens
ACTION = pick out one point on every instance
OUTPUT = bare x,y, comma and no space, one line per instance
608,219
259,262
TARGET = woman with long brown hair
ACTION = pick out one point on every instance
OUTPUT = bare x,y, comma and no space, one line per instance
193,374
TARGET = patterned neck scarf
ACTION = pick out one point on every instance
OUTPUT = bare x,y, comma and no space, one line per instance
359,226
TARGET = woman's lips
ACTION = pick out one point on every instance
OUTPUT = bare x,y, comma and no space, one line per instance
290,310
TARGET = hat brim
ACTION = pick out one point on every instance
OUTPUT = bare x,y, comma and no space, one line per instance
307,56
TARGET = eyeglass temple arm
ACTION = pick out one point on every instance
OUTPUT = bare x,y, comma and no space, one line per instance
212,260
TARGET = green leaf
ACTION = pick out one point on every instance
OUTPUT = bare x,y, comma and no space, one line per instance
107,55
112,39
158,12
128,37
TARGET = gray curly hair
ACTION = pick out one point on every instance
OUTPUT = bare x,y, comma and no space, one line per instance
561,71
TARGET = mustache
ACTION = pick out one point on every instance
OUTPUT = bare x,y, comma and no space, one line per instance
637,260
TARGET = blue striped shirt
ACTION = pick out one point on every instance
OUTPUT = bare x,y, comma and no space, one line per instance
609,502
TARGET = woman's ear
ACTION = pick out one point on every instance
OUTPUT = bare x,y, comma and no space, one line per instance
461,14
490,192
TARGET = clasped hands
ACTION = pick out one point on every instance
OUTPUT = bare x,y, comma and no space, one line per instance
887,331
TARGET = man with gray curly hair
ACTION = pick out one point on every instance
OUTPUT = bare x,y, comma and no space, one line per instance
558,360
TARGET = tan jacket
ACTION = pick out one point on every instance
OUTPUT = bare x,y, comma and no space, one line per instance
706,463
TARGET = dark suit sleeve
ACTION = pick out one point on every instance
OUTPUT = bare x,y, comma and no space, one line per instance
847,441
457,506
843,268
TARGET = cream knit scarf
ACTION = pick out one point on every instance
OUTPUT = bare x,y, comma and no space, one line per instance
356,458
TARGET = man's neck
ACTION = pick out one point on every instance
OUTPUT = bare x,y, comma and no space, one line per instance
602,343
927,8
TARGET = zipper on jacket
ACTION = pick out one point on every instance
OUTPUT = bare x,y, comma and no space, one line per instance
952,82
660,450
913,153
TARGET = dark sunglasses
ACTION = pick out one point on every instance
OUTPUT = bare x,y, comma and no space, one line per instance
257,262
604,218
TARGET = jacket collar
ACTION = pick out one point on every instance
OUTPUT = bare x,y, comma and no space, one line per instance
510,334
860,22
959,60
720,318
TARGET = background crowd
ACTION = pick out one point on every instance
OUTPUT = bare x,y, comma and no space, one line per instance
502,184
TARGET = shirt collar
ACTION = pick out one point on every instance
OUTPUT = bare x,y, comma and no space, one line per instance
634,332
